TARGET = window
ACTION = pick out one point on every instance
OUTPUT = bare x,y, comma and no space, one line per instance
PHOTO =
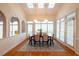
1,29
44,27
30,28
62,26
57,29
13,28
37,27
47,27
50,29
70,28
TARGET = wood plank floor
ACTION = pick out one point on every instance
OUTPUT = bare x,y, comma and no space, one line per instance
14,52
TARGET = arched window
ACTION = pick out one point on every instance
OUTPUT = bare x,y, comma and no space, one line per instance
23,27
14,26
2,25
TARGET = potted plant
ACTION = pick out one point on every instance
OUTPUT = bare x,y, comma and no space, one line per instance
40,31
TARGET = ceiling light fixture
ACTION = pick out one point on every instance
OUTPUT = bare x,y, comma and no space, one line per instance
51,5
29,5
45,21
35,21
40,5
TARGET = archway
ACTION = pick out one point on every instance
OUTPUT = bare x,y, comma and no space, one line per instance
2,25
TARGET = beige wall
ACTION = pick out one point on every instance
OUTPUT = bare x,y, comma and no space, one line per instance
11,10
64,11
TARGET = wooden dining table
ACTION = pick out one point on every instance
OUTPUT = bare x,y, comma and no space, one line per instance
41,40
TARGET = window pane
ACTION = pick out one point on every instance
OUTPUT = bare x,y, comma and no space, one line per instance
30,29
70,31
62,30
37,27
1,30
50,28
44,28
13,28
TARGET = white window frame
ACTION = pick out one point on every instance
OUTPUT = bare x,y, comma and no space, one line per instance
62,21
73,28
58,29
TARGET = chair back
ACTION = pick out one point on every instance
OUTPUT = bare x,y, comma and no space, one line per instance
49,37
45,37
36,37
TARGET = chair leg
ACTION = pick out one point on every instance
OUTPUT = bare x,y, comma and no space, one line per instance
34,43
30,42
52,42
49,43
42,43
39,43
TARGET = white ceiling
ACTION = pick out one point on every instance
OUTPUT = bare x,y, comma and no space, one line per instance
41,12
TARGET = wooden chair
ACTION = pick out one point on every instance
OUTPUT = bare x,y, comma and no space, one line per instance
52,39
31,40
45,38
49,40
36,39
41,43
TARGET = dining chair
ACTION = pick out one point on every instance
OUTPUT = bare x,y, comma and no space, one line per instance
45,38
31,40
36,39
49,40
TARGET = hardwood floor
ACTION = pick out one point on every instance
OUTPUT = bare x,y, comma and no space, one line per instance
14,52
